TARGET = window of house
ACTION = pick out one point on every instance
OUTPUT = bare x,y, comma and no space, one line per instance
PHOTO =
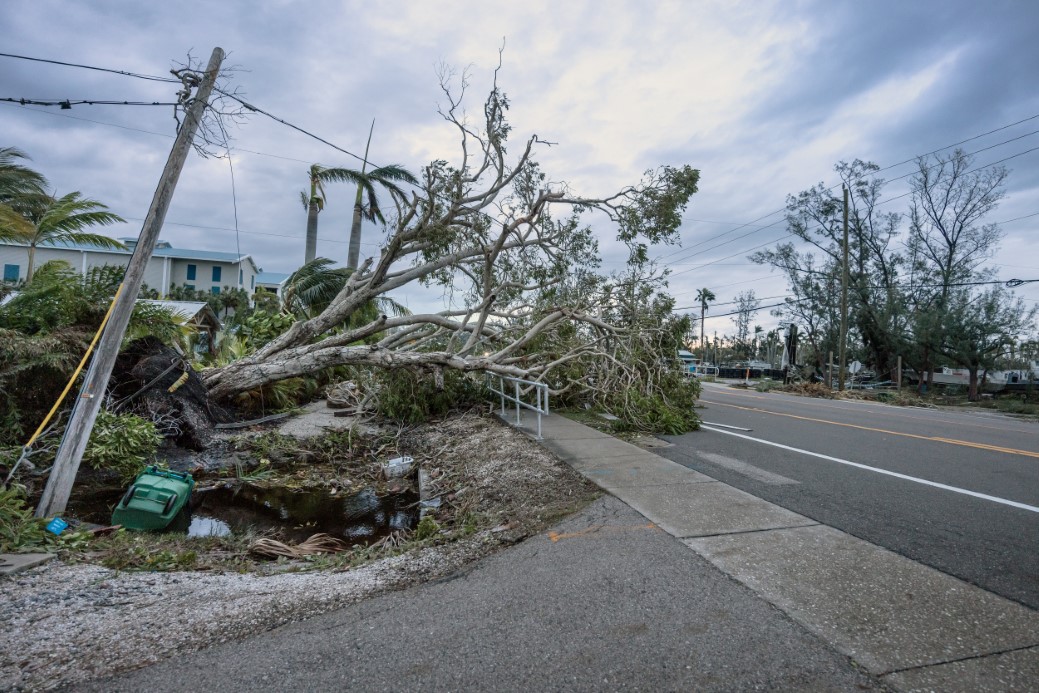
216,274
11,273
241,277
189,287
215,290
191,272
252,283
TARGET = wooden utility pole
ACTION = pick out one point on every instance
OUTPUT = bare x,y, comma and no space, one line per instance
91,394
844,299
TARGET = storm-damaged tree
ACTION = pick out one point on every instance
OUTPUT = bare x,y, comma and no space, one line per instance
49,219
510,247
981,327
17,182
746,305
948,245
31,215
876,306
814,303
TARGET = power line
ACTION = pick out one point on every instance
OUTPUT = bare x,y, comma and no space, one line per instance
247,233
67,104
891,199
729,257
886,182
256,109
886,168
159,134
99,122
125,73
1011,283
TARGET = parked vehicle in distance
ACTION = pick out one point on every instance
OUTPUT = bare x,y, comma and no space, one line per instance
693,367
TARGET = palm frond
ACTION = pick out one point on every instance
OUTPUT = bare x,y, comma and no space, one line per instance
388,305
340,175
313,286
17,179
392,172
14,226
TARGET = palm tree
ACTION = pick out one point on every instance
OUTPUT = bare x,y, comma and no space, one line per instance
704,296
310,289
49,219
17,182
315,202
387,177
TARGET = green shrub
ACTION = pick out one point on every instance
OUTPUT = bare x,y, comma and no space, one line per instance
427,527
123,443
411,397
19,530
655,414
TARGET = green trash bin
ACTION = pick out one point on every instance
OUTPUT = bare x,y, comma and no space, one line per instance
153,500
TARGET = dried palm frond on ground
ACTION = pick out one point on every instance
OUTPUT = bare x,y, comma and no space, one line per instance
315,545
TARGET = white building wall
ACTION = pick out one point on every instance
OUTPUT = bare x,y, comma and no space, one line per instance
160,274
80,261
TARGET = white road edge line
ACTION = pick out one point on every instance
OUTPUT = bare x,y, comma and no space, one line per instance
735,428
935,484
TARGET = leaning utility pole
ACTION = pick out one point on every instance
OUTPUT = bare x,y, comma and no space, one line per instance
844,298
85,409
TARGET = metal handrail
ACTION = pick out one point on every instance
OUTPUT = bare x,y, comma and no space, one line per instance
540,393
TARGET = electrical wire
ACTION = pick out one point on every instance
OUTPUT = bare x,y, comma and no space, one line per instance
885,183
69,103
125,73
253,108
886,168
234,199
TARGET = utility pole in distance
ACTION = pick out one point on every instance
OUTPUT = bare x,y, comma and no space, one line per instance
91,394
842,347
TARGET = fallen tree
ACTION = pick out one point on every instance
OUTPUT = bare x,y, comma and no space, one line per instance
512,247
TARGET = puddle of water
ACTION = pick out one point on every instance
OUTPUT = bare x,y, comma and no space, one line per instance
358,519
361,518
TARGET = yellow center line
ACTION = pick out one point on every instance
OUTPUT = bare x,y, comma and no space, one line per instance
950,441
901,413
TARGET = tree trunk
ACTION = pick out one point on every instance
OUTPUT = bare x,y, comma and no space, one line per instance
32,260
703,347
355,234
972,392
925,369
312,211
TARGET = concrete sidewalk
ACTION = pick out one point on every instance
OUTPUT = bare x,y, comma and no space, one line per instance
910,625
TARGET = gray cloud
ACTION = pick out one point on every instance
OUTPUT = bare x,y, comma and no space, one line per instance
764,98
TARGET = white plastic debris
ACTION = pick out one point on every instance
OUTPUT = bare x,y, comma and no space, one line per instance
398,467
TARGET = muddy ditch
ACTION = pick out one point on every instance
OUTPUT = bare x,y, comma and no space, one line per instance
227,509
477,476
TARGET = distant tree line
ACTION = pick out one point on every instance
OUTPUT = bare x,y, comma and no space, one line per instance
920,285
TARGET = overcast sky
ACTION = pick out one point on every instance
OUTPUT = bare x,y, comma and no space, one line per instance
763,97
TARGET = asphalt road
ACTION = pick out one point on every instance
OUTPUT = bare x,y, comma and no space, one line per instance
965,501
